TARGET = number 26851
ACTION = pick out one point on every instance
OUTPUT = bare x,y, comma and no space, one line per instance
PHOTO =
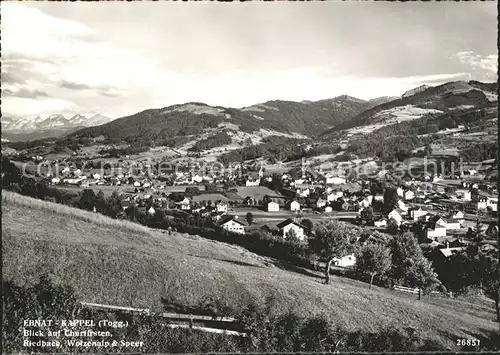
468,342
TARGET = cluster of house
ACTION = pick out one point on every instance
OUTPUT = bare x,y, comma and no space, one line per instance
284,229
435,225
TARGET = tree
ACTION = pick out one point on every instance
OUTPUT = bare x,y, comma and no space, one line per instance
409,266
427,150
332,239
476,237
491,280
390,199
377,187
100,203
10,173
192,191
249,218
276,183
87,200
266,199
374,259
291,237
450,189
308,224
392,226
367,215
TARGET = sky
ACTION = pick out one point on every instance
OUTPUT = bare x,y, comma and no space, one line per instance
119,58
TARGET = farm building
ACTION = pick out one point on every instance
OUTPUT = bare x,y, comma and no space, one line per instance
234,226
289,226
273,207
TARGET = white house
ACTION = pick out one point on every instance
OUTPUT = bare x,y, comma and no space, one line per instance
434,232
55,180
185,204
335,180
438,221
137,184
409,195
328,209
394,214
402,206
417,214
453,224
251,182
320,203
294,206
196,179
222,207
463,194
334,196
72,181
303,192
365,202
381,223
492,203
234,226
273,207
288,226
482,203
151,211
436,228
378,198
345,261
459,215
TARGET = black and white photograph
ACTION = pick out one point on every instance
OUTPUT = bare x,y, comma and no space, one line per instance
249,177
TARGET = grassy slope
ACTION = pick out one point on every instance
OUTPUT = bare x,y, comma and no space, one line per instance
116,262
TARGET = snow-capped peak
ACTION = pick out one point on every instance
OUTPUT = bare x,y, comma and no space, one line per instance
53,121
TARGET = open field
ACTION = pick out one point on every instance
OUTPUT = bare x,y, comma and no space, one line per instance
209,197
121,263
106,189
256,192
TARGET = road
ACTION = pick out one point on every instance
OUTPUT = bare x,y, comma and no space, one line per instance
259,214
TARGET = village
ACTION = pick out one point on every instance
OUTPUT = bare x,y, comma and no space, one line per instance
440,211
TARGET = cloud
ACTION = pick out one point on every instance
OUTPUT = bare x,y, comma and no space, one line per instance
74,86
12,78
484,64
24,93
110,93
83,55
74,64
477,61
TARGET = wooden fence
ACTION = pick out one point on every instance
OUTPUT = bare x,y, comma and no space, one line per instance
220,325
407,289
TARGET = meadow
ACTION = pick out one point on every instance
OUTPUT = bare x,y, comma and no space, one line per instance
121,263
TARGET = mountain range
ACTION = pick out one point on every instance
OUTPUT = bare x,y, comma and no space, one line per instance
184,125
448,97
193,120
44,126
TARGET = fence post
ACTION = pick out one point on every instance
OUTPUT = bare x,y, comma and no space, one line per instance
419,293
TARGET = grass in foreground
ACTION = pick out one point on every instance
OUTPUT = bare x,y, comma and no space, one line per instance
121,263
